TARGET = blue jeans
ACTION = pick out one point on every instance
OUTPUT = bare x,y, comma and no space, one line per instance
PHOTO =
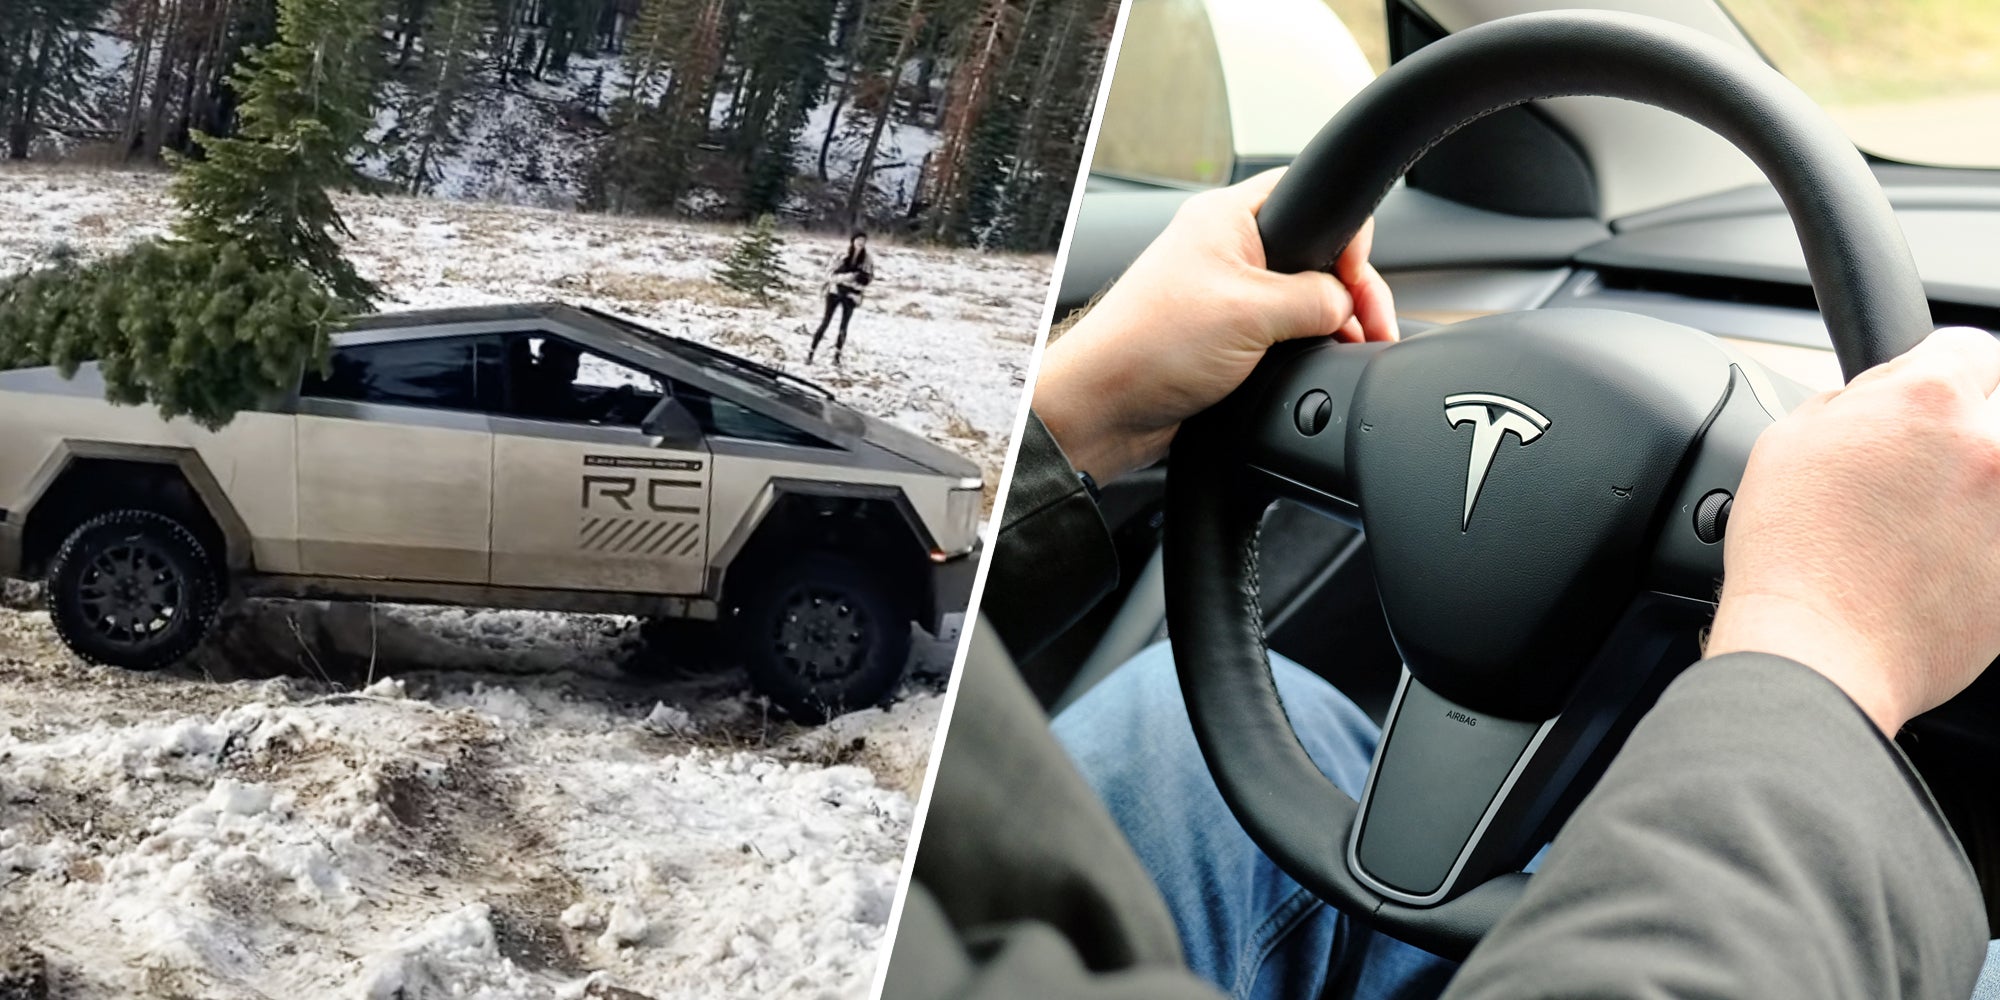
1246,926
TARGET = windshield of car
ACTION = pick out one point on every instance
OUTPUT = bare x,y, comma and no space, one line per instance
1910,80
1915,80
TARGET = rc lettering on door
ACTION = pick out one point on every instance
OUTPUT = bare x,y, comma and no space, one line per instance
654,513
630,494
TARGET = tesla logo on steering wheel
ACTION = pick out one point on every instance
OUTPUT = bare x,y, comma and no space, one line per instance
1492,418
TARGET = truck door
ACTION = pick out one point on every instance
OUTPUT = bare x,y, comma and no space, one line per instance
583,499
395,463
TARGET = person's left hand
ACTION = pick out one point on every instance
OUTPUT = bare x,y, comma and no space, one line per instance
1186,325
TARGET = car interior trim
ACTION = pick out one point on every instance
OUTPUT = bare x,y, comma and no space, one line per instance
1493,806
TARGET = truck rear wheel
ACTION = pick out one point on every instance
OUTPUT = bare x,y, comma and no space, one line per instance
823,635
132,589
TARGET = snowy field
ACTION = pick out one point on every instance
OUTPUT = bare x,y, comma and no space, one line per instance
941,345
409,804
501,814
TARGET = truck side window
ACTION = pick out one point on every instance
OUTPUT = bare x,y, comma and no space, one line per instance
722,418
549,378
438,374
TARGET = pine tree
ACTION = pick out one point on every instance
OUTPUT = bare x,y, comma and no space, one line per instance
782,50
1051,152
199,330
653,46
755,265
670,55
307,107
430,119
591,95
982,67
981,217
636,168
45,64
228,313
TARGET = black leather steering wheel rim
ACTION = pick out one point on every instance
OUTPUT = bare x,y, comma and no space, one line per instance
1862,271
1850,236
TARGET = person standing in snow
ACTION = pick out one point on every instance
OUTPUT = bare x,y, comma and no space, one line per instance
851,275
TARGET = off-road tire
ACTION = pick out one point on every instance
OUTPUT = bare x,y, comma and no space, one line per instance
144,567
820,635
674,646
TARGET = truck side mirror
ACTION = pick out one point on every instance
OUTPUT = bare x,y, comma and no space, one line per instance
673,424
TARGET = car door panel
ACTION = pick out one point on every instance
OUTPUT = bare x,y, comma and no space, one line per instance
581,507
393,492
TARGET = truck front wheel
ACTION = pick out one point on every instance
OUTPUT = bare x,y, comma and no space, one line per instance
821,635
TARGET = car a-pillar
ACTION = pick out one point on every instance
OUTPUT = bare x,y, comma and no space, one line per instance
818,604
135,546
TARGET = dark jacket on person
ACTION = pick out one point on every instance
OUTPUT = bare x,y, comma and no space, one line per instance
1757,836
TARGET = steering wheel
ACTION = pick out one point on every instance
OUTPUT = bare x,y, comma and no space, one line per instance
1544,492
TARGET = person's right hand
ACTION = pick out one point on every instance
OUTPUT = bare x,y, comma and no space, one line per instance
1865,540
1187,323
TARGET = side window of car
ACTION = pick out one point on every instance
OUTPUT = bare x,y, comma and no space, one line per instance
438,374
722,418
550,378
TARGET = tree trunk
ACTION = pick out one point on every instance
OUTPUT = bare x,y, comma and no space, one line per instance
853,53
23,130
135,94
1037,97
726,37
866,166
973,82
422,170
204,112
163,77
927,76
202,51
832,122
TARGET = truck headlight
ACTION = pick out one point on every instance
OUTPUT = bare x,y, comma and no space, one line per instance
962,513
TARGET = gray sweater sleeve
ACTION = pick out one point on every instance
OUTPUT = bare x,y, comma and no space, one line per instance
1756,837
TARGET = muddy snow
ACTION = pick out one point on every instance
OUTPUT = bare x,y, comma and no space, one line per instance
412,803
941,345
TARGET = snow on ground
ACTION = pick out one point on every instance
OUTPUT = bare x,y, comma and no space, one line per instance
941,344
529,822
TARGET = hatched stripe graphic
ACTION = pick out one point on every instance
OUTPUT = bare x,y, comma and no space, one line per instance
638,536
687,547
614,542
671,535
598,528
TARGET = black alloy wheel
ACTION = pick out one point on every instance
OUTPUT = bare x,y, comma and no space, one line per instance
824,635
132,589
